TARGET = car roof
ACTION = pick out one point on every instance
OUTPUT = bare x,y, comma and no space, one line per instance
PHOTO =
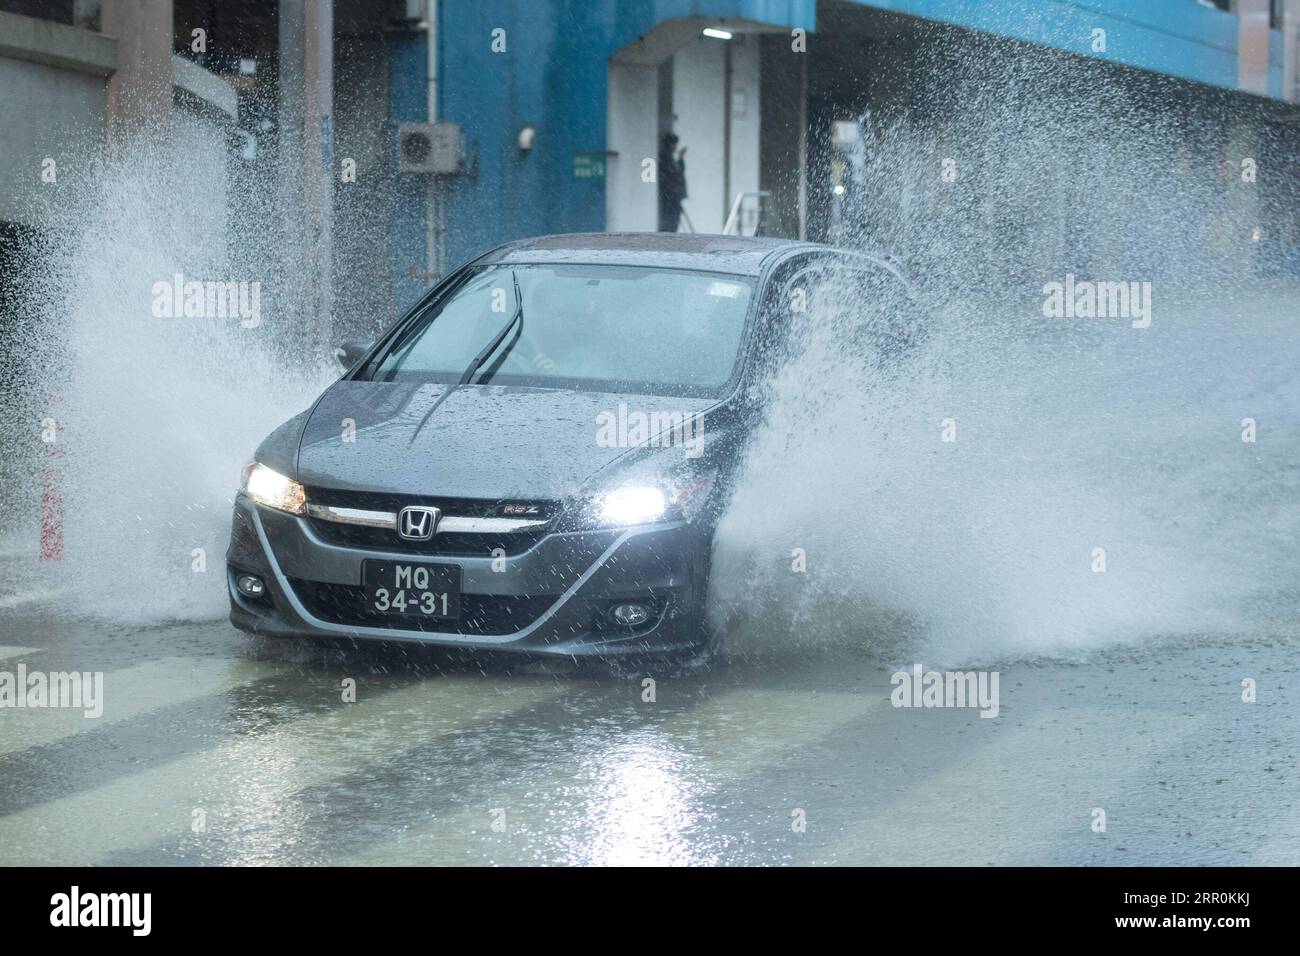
738,255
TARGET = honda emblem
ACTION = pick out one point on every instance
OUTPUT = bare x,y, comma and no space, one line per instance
417,523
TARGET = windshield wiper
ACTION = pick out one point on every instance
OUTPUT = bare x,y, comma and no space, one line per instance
479,359
492,346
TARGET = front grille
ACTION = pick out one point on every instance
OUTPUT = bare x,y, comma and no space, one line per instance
479,613
441,544
465,507
445,545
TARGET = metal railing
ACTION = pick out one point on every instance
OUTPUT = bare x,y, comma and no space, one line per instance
732,226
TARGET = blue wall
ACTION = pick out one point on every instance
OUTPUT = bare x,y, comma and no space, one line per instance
552,76
1177,37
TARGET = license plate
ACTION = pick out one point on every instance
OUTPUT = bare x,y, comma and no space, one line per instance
417,590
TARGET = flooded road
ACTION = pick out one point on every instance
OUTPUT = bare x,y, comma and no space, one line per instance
213,749
1090,494
1122,735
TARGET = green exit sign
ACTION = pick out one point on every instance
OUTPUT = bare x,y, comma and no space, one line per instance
589,165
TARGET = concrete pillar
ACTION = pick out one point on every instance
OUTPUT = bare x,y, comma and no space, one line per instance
631,133
723,148
1291,50
140,89
1252,45
306,168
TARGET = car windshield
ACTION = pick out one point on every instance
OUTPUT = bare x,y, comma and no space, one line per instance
599,328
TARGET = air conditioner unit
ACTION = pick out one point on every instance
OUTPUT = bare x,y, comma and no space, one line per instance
411,12
429,148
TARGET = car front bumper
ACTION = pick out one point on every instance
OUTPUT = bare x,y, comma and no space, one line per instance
551,599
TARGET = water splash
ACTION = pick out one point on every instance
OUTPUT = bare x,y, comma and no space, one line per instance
156,414
1071,435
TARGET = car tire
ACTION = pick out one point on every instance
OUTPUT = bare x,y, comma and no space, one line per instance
707,652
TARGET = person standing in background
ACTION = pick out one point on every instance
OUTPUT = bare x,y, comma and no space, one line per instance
672,182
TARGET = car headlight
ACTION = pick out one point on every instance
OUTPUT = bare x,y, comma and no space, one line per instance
635,504
274,490
644,503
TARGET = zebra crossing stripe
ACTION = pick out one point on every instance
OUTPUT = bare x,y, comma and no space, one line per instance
250,776
630,806
132,692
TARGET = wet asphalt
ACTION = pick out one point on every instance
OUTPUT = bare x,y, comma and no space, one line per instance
216,749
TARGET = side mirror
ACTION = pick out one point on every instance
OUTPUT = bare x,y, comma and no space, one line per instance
349,353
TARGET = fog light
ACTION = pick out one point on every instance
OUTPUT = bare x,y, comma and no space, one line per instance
630,615
250,585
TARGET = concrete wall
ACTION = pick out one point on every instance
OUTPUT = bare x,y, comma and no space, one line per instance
53,104
631,204
53,87
700,120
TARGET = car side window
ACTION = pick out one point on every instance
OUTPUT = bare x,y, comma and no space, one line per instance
788,301
869,305
888,318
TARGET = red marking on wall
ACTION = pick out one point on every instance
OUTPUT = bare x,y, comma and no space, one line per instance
52,485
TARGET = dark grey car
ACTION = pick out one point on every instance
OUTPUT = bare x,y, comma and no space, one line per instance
533,458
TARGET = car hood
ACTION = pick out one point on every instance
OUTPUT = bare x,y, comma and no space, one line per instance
480,441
